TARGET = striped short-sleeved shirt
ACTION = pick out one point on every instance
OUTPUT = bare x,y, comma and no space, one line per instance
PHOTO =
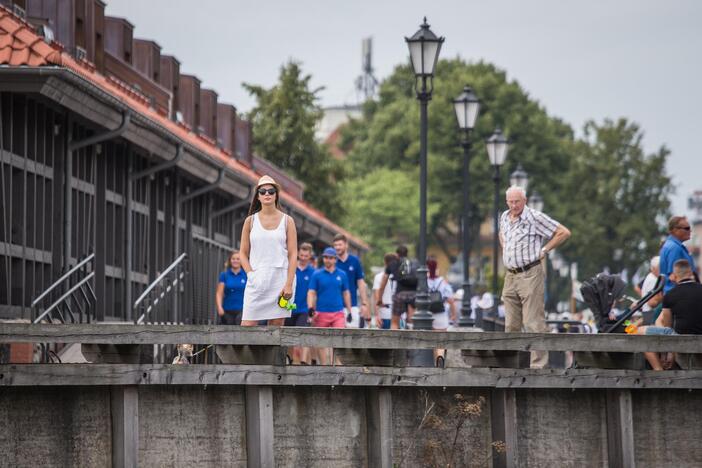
524,237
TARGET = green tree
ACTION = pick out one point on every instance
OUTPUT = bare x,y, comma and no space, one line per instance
373,212
388,136
284,122
619,199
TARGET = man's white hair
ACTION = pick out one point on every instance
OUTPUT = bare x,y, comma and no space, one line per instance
655,261
516,188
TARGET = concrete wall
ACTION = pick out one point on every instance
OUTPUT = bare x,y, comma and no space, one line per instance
668,428
192,426
562,428
55,426
320,427
205,426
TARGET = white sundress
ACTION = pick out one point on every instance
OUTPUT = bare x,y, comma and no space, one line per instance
268,256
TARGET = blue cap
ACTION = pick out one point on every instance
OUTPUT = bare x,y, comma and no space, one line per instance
329,252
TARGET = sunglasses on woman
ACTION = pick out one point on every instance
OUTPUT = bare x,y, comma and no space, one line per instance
270,191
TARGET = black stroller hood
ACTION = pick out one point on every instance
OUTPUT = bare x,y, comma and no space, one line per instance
600,292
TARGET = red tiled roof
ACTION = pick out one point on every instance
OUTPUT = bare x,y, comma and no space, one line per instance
21,46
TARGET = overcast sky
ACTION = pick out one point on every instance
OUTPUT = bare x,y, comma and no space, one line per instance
592,59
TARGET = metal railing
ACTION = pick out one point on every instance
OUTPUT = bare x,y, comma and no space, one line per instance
76,304
156,293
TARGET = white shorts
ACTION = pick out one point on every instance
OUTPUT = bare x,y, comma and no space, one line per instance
385,313
441,321
355,320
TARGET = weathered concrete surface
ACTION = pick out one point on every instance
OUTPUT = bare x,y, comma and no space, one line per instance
668,428
320,427
192,426
55,426
562,428
426,447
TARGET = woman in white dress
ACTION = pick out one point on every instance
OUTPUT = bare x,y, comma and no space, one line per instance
269,256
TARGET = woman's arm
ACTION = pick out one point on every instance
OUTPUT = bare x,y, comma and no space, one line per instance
245,247
291,231
219,296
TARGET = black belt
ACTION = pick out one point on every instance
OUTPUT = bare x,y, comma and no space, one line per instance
524,268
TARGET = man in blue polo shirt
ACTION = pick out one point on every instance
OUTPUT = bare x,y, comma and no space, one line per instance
300,314
351,265
673,249
328,295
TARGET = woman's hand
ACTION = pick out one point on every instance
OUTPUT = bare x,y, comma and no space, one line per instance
286,292
220,312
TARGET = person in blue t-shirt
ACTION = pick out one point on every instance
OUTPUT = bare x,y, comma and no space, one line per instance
230,291
328,295
673,249
351,265
300,314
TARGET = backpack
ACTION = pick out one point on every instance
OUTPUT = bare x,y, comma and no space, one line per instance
436,299
407,273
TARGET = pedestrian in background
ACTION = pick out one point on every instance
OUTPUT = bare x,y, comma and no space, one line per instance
328,295
351,265
673,249
269,257
300,315
441,305
229,296
383,314
404,272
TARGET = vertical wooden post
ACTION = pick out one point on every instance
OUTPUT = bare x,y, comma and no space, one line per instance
620,429
379,427
124,402
503,409
259,427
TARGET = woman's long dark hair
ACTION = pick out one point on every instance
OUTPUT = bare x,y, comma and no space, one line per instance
256,203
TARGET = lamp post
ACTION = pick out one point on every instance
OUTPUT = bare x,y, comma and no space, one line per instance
536,202
497,148
424,47
467,107
519,177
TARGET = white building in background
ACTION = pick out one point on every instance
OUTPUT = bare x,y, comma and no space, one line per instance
335,117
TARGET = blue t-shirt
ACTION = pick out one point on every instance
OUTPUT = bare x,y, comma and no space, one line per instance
302,286
234,285
354,271
330,289
672,251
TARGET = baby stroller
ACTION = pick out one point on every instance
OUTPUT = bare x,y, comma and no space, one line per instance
602,291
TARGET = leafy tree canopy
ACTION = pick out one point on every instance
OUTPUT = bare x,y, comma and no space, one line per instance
603,186
284,122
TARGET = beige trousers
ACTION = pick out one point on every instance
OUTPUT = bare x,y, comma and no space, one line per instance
523,296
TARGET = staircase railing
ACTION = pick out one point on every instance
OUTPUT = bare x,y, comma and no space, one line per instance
157,291
76,304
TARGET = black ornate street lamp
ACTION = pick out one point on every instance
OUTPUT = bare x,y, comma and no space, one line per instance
424,47
467,107
536,202
497,148
520,178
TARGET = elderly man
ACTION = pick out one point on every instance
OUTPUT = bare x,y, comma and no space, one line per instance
673,249
527,236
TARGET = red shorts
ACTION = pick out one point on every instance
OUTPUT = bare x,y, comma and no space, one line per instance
329,320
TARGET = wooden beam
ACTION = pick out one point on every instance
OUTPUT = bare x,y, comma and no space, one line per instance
342,338
503,412
124,404
379,427
259,427
620,429
166,374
